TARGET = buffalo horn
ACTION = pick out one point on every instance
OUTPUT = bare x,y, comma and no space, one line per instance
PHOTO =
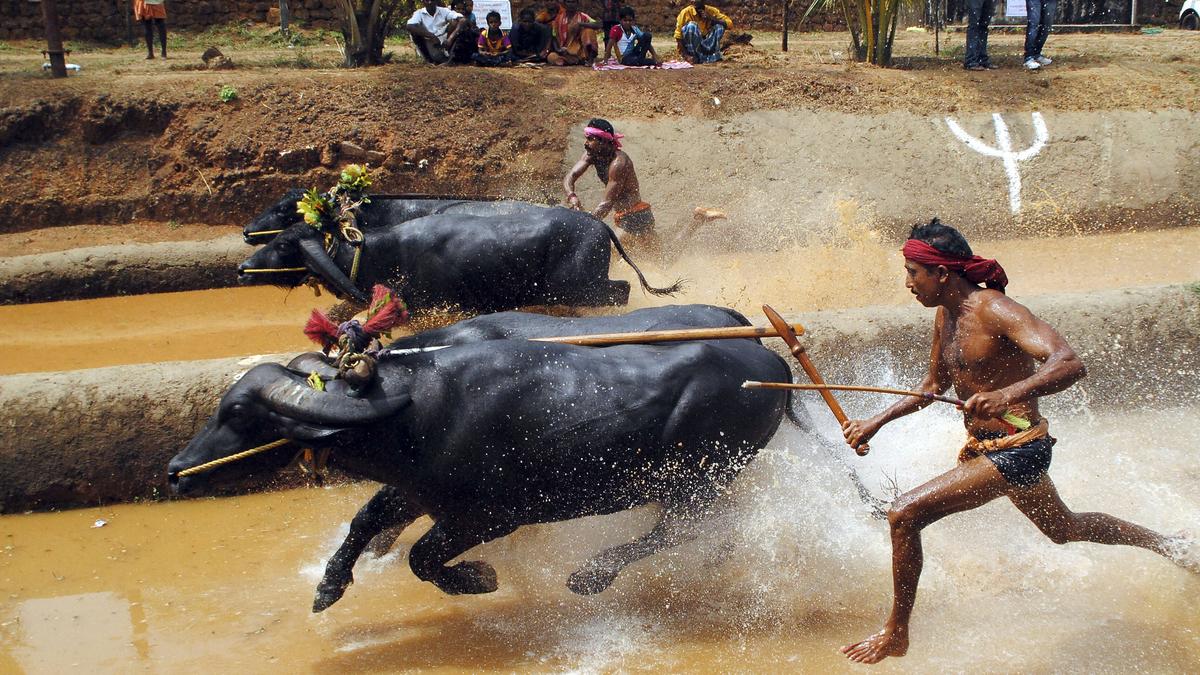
303,403
324,266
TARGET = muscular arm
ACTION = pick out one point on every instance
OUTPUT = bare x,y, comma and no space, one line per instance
618,176
569,182
936,381
1060,366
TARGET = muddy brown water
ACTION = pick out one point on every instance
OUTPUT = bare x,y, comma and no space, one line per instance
850,265
225,585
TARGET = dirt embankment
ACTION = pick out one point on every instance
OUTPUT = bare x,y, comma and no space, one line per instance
106,434
126,141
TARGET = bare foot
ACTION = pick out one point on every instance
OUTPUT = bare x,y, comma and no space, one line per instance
1181,549
878,647
703,215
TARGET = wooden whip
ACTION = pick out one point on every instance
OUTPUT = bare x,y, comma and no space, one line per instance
649,337
1018,422
792,339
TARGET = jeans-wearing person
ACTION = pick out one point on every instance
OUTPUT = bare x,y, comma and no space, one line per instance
1040,17
705,48
979,17
635,53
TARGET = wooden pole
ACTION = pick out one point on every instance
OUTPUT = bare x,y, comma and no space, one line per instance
751,384
54,47
653,336
797,349
787,8
1008,416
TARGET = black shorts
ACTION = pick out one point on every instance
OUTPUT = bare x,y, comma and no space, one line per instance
1024,465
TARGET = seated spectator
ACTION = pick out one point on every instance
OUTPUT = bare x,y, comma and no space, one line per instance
632,43
574,36
429,27
698,32
461,43
495,49
530,39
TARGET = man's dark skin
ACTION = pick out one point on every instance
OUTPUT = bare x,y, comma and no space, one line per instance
417,29
987,347
614,169
699,5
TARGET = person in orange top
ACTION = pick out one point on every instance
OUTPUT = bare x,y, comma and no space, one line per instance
698,32
574,36
152,13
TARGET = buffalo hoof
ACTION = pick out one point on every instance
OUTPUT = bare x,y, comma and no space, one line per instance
468,578
590,580
329,592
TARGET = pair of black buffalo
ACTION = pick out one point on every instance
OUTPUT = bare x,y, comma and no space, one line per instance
492,431
477,256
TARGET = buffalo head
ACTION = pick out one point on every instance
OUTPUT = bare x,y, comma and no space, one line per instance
278,217
291,256
268,404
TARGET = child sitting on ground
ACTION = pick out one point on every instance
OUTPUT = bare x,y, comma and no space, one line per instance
632,43
461,42
495,49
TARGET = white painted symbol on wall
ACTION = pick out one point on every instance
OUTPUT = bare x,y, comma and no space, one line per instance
1004,151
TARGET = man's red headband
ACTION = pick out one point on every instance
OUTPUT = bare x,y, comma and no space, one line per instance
593,132
975,269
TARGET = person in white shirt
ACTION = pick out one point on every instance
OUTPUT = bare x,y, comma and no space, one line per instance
430,28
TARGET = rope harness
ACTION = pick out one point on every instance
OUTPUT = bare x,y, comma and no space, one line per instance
310,461
348,232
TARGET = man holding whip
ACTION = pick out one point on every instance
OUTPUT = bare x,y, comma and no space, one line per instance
987,347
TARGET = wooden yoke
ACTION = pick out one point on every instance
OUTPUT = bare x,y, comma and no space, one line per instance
789,336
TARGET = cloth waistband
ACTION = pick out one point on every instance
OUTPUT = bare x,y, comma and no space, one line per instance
976,446
636,208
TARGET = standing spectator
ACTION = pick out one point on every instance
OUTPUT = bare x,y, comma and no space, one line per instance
152,13
530,39
610,16
574,36
495,49
1039,17
633,43
698,32
429,27
979,17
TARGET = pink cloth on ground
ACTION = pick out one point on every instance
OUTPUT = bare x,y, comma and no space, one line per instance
666,65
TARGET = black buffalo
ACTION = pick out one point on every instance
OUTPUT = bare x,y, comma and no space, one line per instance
381,210
553,256
490,436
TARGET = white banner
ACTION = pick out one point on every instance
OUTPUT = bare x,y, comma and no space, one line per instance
482,7
1014,8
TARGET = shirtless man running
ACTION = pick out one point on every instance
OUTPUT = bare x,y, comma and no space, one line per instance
622,194
602,150
987,347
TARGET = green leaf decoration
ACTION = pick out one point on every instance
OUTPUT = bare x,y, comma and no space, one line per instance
315,207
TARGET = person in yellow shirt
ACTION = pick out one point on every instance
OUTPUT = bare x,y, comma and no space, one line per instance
698,32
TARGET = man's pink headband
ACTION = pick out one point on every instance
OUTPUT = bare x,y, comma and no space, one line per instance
593,132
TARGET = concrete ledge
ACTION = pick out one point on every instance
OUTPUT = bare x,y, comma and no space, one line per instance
106,434
129,269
